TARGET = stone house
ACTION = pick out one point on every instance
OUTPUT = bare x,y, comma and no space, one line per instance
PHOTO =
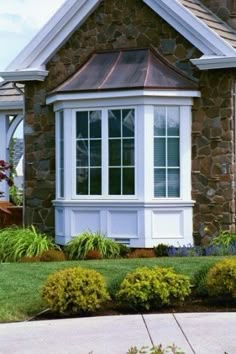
129,120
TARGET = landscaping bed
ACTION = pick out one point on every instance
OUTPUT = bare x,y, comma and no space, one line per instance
21,284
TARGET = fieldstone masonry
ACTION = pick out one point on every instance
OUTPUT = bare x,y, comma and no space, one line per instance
132,24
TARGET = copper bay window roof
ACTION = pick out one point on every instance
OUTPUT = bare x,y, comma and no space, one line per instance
125,70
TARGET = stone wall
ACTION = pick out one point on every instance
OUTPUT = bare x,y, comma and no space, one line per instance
132,24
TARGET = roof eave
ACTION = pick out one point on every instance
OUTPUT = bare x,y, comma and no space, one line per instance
57,97
24,75
215,62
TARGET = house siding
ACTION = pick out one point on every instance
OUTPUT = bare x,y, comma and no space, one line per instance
132,24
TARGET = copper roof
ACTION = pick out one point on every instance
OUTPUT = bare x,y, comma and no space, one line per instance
126,69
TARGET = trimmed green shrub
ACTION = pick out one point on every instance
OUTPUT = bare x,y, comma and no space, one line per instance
150,288
75,291
221,279
52,256
16,242
79,246
161,250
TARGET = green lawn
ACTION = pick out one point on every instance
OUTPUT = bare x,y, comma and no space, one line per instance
20,283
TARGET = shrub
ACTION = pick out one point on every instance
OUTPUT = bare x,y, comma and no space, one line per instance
124,250
79,246
93,254
161,250
52,256
29,259
75,291
147,288
199,281
142,253
224,239
171,349
16,242
221,279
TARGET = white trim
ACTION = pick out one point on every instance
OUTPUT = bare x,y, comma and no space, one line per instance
54,34
105,157
12,106
24,75
191,27
213,62
12,128
158,204
58,97
74,12
4,152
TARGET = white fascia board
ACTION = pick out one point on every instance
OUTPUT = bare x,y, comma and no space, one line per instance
74,12
54,34
207,63
24,75
118,94
191,27
11,106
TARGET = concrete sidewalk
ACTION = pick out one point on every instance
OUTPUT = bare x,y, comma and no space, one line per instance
200,333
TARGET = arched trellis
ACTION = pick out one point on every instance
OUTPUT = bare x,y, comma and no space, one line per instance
7,129
12,128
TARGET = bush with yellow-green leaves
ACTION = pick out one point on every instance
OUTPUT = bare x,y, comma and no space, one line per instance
75,291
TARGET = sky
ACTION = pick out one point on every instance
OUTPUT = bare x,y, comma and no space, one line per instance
20,20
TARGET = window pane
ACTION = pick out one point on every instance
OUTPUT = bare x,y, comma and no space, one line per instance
173,152
82,125
159,152
114,181
115,152
173,121
95,181
128,122
82,181
128,181
128,152
95,152
159,121
173,183
114,117
95,124
82,153
160,182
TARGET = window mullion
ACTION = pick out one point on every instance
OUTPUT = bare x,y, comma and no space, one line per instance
166,146
105,153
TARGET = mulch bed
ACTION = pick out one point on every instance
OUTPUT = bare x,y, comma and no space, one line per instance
112,309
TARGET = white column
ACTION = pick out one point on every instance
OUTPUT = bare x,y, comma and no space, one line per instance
4,124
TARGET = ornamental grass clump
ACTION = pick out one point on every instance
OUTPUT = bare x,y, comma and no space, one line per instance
221,279
79,246
16,242
75,291
150,288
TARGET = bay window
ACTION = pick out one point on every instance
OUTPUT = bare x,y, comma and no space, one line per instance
166,152
105,150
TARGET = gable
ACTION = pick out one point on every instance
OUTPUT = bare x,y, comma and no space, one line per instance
73,14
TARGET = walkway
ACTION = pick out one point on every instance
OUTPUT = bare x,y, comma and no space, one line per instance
200,333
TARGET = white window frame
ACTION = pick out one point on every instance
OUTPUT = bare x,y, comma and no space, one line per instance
143,103
105,155
185,152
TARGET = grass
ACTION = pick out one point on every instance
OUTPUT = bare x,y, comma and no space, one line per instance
21,283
